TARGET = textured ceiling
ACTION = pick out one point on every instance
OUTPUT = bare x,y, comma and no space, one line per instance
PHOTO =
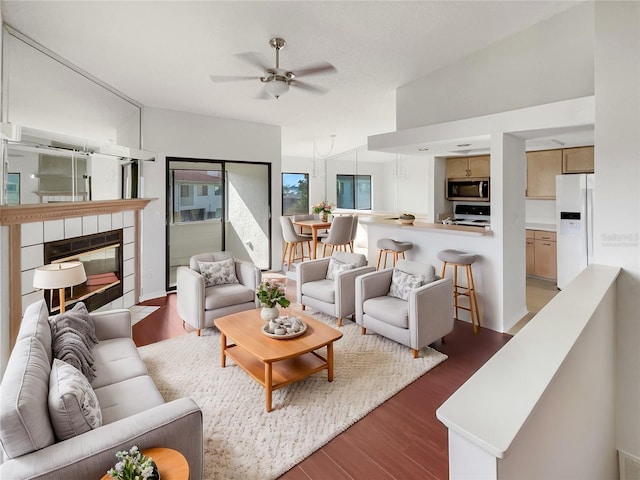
161,53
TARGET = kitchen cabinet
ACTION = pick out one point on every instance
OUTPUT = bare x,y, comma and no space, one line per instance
577,160
530,253
541,254
542,168
461,167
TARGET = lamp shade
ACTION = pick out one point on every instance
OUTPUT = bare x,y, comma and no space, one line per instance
276,87
59,275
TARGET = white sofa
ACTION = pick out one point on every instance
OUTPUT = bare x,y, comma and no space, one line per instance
133,410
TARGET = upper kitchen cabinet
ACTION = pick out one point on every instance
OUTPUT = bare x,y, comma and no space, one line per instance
461,167
542,168
577,160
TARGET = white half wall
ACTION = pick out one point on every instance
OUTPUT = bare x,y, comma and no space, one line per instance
549,62
180,134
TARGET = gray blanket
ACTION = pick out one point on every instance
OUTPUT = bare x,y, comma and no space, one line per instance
72,338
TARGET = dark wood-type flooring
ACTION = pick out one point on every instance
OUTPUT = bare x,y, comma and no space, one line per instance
401,439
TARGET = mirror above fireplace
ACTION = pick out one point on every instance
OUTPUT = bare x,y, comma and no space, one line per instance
44,167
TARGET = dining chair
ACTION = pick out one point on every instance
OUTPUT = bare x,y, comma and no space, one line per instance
339,234
354,232
292,241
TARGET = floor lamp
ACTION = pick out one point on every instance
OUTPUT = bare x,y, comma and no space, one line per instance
60,276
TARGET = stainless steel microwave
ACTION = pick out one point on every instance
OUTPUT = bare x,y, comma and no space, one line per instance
468,189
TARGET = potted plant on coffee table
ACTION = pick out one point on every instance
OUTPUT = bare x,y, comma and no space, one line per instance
270,294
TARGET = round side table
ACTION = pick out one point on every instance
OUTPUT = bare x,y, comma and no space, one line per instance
171,464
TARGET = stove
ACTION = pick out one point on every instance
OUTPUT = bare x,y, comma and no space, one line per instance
472,215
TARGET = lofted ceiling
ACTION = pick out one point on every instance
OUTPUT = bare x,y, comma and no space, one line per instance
162,53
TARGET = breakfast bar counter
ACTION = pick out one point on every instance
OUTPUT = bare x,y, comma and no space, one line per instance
430,238
424,225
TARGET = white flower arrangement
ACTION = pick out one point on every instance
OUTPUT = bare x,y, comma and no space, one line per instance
132,465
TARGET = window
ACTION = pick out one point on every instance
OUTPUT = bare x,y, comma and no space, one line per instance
354,191
295,193
203,190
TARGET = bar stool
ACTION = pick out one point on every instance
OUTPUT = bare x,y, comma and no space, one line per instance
456,259
389,246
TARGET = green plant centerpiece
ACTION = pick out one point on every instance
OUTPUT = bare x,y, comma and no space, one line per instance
133,465
270,294
407,218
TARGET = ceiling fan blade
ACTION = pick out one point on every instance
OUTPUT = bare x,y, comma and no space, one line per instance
231,78
253,58
322,67
309,87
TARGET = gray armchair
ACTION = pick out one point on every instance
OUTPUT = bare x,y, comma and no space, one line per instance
199,306
425,317
335,296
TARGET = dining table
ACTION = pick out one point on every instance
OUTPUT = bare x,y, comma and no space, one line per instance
315,226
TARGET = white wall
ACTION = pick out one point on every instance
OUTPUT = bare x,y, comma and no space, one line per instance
179,134
617,193
552,61
508,165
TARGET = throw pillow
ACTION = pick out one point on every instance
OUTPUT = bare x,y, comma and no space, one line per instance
336,267
402,283
73,405
218,273
73,337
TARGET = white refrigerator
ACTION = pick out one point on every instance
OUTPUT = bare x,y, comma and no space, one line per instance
574,222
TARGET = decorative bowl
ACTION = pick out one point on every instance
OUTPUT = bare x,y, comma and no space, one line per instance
406,221
285,322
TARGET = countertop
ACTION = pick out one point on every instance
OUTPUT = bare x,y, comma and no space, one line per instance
547,227
419,224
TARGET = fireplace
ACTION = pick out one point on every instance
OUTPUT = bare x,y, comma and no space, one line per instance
101,255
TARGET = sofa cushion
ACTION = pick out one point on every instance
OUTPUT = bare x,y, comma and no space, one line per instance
336,267
24,414
35,323
126,398
387,309
226,295
116,360
218,273
324,290
73,405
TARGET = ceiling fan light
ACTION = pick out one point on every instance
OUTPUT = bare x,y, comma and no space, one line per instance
276,88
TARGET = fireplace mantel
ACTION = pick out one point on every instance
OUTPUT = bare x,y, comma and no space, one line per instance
18,214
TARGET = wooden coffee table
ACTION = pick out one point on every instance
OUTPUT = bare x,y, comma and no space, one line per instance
275,363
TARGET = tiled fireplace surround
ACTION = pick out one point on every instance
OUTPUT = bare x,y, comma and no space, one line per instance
30,226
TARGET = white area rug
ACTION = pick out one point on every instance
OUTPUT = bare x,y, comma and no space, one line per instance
242,440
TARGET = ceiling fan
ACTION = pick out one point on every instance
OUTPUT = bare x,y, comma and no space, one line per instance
278,80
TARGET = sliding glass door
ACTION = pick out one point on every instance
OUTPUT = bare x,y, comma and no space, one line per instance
213,206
